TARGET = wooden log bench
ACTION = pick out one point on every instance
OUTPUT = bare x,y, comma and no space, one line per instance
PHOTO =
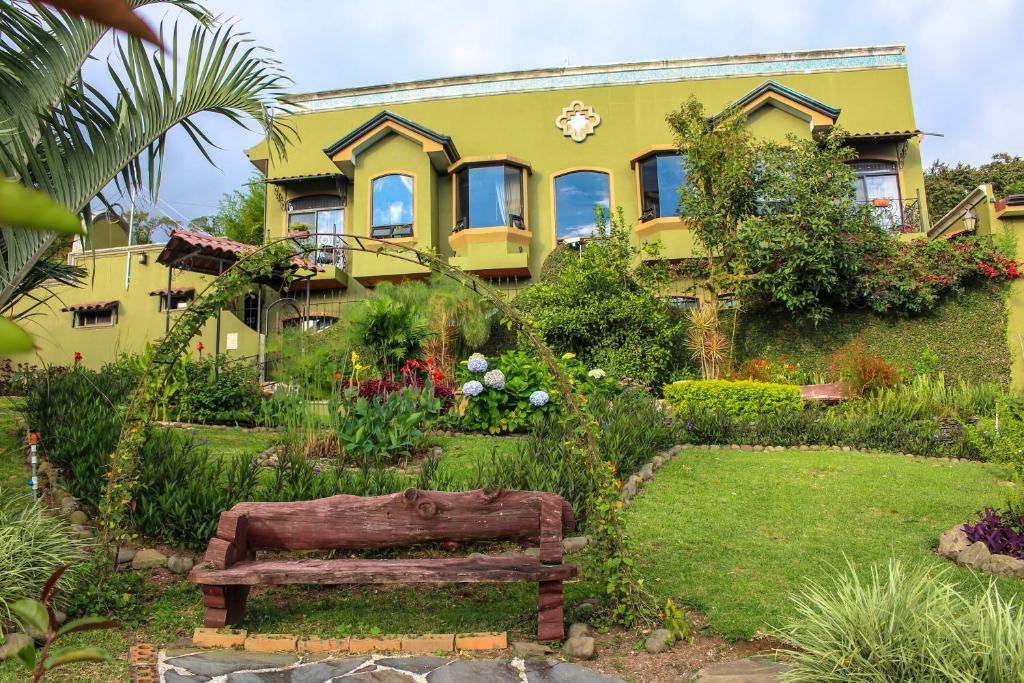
349,523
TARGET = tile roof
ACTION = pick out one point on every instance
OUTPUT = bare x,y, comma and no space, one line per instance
207,254
98,306
174,291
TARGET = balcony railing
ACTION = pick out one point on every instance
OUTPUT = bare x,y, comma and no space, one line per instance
898,215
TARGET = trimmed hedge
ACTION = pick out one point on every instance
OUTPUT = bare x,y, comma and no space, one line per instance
967,333
742,398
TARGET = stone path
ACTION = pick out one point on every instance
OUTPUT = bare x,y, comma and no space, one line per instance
752,670
232,666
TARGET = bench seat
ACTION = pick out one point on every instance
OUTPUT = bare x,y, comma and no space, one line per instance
444,570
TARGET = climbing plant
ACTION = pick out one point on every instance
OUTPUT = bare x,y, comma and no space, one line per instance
633,604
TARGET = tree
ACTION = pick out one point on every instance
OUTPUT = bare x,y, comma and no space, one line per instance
144,225
64,137
604,304
240,213
777,222
946,185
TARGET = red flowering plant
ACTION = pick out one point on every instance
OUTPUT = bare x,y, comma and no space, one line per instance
911,277
412,373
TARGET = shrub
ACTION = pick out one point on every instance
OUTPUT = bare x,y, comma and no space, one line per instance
17,380
183,489
390,331
513,404
771,370
377,431
1003,440
219,391
1002,531
605,303
106,591
630,429
32,546
903,624
743,398
76,413
863,371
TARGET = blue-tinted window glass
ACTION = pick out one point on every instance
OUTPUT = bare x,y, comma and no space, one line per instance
392,200
487,196
577,194
670,178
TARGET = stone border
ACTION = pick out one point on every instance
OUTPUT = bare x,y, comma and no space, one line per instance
411,644
954,545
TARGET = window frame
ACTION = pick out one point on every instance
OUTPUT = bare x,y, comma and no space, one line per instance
638,162
77,318
369,207
524,195
342,206
187,297
554,199
859,177
300,322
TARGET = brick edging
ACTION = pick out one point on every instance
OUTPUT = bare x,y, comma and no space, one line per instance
287,642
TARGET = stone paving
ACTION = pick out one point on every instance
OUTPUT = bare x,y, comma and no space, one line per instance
752,670
233,666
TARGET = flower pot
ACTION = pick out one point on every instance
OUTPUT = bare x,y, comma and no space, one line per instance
881,202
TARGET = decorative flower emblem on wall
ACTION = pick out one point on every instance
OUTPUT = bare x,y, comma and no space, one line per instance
577,121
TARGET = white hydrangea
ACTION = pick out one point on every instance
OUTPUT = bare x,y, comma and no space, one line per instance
597,373
495,379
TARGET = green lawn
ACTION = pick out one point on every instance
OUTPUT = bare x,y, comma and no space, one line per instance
231,442
463,452
734,533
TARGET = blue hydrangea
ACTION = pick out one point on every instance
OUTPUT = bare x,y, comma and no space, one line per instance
477,363
539,398
472,388
495,379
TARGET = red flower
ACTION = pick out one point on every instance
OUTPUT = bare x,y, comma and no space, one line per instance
199,346
337,376
78,357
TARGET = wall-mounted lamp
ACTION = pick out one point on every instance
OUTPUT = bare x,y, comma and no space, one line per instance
970,220
143,258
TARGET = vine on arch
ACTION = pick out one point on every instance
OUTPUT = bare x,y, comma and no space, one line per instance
633,604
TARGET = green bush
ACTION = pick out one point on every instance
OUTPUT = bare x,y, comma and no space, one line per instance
741,398
32,546
376,431
900,624
224,391
630,428
183,489
509,408
1001,441
77,415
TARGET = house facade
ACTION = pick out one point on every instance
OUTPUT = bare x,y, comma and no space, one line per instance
492,172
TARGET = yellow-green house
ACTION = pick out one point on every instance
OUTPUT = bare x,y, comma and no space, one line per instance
491,172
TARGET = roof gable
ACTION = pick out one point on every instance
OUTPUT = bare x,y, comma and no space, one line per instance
817,114
344,153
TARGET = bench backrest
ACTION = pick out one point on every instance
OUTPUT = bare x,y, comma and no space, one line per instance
400,519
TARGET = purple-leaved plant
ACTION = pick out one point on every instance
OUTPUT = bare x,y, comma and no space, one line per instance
1001,532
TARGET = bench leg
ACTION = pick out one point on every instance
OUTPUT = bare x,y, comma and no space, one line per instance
551,611
225,605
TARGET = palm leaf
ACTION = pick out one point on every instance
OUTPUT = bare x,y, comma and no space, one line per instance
88,140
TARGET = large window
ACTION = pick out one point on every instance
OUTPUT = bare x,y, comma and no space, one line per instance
661,177
877,183
323,214
488,196
577,195
391,214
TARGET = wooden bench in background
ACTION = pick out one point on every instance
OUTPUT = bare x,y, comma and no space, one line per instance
348,523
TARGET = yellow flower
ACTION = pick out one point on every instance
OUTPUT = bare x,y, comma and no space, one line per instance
618,504
568,356
355,357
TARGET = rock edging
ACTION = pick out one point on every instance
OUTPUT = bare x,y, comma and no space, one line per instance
954,545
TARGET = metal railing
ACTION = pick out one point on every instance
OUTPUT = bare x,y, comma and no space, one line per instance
898,215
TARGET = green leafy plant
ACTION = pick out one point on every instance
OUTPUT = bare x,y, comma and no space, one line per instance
902,623
675,621
606,304
741,398
862,370
376,431
390,331
32,546
40,616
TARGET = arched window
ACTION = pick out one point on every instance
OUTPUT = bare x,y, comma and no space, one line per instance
323,214
577,195
489,196
661,176
391,214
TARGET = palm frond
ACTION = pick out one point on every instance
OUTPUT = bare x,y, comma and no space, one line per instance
38,287
88,140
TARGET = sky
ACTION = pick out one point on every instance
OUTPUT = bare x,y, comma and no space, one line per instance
964,58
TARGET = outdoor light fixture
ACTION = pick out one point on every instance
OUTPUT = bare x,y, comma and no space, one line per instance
143,258
970,220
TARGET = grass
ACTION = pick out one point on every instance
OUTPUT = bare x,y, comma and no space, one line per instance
735,533
462,453
231,442
13,472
